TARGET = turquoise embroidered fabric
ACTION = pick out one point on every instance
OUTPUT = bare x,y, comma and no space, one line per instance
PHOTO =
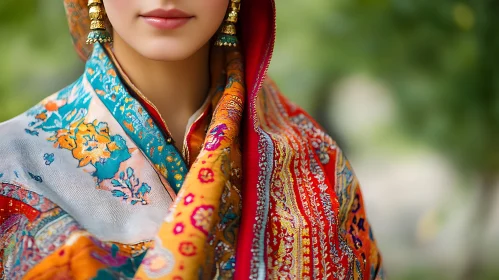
135,120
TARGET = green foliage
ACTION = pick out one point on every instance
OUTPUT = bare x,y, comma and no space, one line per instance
437,56
36,53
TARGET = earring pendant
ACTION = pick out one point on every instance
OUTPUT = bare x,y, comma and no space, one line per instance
227,35
98,32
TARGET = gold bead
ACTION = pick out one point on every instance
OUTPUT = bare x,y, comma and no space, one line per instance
229,29
94,2
232,17
96,13
235,6
97,24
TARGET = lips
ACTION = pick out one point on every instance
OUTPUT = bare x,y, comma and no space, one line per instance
166,19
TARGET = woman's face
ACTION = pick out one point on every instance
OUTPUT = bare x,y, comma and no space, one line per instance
168,30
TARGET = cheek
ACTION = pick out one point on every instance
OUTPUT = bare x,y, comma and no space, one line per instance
118,6
119,11
213,12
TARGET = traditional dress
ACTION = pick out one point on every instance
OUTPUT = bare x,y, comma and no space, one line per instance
92,186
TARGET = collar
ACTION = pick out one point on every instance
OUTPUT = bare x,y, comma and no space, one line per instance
134,118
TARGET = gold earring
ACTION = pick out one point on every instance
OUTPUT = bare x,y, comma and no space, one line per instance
98,32
227,34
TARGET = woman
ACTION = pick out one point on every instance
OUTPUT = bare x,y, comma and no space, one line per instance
241,184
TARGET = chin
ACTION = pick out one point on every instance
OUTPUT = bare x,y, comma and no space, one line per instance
169,50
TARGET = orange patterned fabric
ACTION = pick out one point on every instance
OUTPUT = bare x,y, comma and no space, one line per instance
194,225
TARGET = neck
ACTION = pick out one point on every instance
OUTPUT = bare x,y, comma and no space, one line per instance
176,88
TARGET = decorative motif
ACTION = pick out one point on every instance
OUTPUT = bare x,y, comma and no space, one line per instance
201,218
37,178
129,188
63,117
31,227
48,158
187,249
27,197
188,199
98,32
265,165
134,119
159,262
309,233
32,132
117,265
215,137
227,34
206,175
179,228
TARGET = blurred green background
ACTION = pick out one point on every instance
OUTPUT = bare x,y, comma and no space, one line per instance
410,89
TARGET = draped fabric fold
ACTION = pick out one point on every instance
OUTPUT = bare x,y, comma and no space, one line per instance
195,219
199,230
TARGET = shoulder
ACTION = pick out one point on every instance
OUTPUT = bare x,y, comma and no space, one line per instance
296,131
24,149
289,118
278,104
289,125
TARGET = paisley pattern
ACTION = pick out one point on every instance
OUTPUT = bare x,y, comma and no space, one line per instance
314,222
31,228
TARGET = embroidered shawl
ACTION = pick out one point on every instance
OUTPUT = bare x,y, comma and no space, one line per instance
91,186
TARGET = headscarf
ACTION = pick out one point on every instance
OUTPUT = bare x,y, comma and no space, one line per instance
79,26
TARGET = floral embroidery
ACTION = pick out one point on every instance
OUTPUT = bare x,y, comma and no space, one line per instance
91,143
322,150
189,199
48,158
134,119
36,177
187,249
129,188
179,228
63,117
25,232
32,132
201,218
206,175
215,137
159,262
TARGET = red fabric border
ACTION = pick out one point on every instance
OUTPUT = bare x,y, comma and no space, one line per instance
257,41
